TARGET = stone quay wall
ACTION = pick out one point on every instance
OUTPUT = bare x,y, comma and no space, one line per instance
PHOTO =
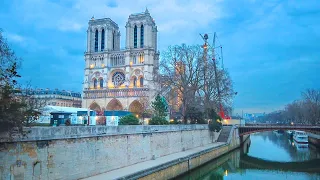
183,165
79,151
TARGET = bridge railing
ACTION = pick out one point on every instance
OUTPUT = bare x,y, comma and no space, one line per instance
274,124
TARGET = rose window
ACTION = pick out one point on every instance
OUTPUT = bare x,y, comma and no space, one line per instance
118,78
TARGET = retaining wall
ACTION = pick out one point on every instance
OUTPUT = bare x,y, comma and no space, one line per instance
183,165
77,152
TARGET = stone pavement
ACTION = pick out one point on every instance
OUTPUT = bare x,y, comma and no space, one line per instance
128,170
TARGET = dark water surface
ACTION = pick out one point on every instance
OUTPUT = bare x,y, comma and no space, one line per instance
266,155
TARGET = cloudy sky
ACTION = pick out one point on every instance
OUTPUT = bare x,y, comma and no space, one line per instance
271,48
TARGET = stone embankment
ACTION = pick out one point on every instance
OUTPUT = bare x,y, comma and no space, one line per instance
79,152
176,164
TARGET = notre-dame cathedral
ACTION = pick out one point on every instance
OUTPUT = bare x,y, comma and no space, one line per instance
121,79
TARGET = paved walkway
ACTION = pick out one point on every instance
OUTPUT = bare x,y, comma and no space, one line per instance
125,171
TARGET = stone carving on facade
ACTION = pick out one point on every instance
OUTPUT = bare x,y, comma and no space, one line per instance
97,57
137,72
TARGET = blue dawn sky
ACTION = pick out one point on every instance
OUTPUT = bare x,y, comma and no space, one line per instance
271,48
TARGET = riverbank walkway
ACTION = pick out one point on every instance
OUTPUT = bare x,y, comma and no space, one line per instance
141,169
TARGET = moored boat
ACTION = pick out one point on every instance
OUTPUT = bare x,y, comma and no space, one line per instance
300,137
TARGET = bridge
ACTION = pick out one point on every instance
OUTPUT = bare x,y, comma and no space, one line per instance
252,128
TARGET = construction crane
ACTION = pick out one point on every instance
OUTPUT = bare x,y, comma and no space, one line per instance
205,54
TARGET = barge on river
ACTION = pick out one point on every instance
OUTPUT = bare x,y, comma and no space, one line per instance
300,137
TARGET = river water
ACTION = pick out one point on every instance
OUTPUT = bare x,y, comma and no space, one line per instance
266,155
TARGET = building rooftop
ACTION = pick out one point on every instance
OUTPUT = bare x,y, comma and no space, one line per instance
49,91
93,21
63,109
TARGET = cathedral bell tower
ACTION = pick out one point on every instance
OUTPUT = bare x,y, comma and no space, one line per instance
141,31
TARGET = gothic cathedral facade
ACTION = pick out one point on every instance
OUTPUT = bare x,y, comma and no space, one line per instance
121,79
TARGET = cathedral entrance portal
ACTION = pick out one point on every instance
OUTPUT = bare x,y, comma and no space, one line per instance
114,105
95,106
136,107
100,119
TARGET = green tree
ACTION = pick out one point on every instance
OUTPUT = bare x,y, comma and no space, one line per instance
158,121
129,120
160,107
215,124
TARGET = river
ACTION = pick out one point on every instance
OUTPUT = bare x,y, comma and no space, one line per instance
266,155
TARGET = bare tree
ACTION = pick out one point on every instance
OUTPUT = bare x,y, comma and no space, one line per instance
146,110
225,86
193,83
14,110
312,102
181,65
303,111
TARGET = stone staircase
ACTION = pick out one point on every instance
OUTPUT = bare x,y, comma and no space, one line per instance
224,134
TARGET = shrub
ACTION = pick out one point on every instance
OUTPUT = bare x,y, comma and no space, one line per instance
129,120
195,116
175,121
215,125
158,121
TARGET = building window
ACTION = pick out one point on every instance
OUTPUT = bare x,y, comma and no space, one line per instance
101,83
118,78
102,40
96,36
113,40
95,82
134,60
141,82
141,36
135,82
141,58
135,36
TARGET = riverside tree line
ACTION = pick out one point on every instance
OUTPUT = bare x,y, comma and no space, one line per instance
306,110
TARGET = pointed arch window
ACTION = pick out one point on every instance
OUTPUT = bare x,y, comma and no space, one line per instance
134,59
142,36
101,83
141,82
141,58
96,36
95,82
135,82
102,40
135,37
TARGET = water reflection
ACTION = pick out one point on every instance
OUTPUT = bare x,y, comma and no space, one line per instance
265,155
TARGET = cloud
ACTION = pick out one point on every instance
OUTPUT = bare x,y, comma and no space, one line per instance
15,37
68,25
28,43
